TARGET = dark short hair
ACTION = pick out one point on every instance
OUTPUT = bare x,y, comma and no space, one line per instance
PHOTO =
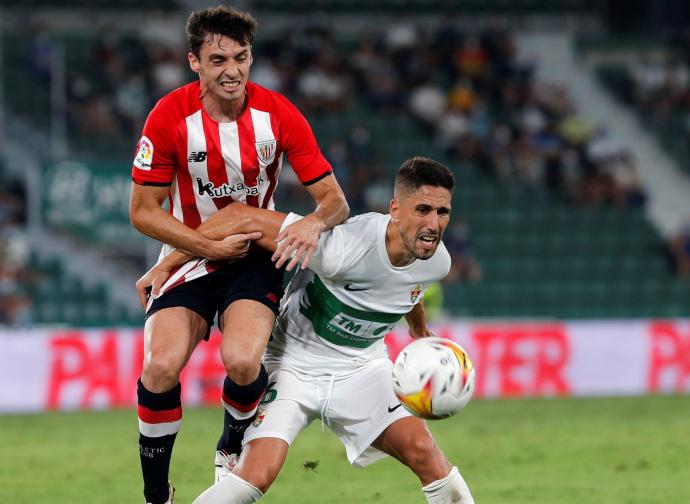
221,20
420,171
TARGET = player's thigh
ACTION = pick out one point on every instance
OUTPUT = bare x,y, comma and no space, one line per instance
409,440
398,437
170,337
248,311
247,326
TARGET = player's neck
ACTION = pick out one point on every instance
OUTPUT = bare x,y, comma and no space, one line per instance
223,111
398,254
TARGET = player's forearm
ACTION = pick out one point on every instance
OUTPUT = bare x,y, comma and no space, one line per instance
160,225
233,219
174,259
416,321
238,218
225,222
332,209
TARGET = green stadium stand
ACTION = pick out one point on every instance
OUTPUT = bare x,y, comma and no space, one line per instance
59,297
92,4
671,132
432,6
541,256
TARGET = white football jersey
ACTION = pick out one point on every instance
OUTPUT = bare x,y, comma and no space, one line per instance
335,314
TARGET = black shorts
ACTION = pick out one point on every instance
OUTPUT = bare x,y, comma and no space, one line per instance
254,277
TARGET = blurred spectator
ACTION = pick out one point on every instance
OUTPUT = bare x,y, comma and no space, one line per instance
400,37
265,73
375,78
471,58
464,266
15,306
42,49
658,86
377,192
323,87
427,103
131,101
679,247
168,72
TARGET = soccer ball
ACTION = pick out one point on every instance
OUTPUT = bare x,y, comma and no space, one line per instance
433,377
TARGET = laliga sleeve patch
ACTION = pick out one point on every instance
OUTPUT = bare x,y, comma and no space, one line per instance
144,156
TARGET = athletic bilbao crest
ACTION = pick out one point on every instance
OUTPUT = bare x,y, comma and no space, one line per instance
415,293
266,151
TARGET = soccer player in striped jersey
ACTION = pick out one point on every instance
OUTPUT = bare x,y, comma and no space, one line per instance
327,358
218,140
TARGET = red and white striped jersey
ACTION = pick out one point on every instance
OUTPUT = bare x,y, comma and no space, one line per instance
208,164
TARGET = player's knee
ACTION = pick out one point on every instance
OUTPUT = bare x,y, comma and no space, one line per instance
241,369
160,372
263,482
420,451
262,478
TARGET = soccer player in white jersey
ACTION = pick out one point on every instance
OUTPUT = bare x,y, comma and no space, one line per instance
204,145
327,358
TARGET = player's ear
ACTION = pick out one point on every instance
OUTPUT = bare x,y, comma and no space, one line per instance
394,209
193,62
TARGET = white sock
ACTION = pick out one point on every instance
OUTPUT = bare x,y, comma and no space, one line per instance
230,490
451,489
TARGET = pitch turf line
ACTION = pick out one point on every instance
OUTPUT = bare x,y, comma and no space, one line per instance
608,451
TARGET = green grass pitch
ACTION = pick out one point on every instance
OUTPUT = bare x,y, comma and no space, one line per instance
558,451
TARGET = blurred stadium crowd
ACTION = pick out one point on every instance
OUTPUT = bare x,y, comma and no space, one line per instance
471,96
15,274
471,93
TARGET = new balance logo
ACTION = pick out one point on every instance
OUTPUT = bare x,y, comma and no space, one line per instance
197,157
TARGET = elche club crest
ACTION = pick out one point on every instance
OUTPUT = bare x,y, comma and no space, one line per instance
266,151
415,292
260,415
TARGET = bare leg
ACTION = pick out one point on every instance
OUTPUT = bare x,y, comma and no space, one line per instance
258,467
261,461
409,441
247,326
170,337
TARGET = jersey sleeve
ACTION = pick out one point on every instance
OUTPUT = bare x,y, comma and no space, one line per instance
300,146
329,256
154,162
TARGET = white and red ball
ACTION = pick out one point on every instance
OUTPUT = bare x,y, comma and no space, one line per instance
433,377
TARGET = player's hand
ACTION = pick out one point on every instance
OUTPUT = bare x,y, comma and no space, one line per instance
421,333
233,247
150,284
297,242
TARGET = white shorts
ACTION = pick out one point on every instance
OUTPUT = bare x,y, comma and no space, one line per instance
356,407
